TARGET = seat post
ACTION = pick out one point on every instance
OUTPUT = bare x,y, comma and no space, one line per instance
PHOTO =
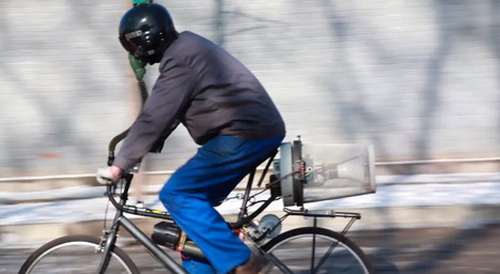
269,161
247,195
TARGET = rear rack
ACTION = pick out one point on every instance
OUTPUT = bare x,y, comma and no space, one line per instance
324,214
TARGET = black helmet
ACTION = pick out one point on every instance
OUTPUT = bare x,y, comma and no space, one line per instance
146,30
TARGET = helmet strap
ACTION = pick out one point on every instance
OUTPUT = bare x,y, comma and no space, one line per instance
135,2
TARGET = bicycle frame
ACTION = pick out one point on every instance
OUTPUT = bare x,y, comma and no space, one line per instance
110,236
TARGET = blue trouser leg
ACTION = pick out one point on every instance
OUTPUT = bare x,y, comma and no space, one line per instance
205,180
194,265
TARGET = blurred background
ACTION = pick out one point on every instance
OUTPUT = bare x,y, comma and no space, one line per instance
418,80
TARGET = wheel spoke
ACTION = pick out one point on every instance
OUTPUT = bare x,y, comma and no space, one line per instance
325,257
279,264
75,254
328,252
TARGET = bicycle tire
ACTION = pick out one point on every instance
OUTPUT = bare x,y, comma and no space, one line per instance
292,252
75,254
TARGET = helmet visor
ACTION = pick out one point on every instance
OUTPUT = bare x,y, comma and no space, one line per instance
130,46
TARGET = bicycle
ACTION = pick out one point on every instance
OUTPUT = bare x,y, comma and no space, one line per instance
309,249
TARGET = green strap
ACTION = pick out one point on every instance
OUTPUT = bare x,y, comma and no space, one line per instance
138,67
139,1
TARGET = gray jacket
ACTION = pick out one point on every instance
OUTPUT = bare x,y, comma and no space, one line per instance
207,90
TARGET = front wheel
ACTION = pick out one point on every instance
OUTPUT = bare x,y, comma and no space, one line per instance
75,254
316,250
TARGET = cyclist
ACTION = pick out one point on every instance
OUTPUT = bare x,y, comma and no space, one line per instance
226,111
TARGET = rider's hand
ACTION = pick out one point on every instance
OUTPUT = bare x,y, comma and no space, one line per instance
106,175
137,66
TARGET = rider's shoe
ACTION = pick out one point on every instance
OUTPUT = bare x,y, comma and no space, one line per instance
257,264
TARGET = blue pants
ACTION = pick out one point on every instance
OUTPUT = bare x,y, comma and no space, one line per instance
203,182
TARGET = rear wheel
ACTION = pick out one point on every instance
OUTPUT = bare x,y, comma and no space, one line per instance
316,250
76,254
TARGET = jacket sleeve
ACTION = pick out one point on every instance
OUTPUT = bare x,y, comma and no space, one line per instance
160,115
